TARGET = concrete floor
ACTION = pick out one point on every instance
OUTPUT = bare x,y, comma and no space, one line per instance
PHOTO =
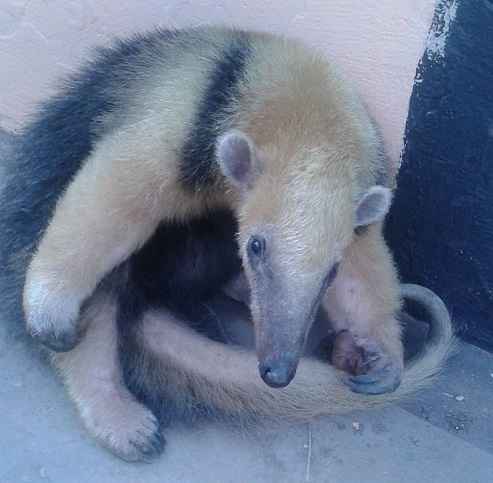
444,434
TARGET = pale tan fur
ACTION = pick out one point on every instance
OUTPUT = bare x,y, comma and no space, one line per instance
318,153
299,112
126,186
109,210
91,373
365,297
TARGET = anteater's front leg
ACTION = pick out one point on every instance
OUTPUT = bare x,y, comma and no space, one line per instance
110,208
362,304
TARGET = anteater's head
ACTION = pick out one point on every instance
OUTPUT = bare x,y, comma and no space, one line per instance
298,209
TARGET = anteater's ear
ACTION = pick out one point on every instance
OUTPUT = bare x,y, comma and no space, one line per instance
237,158
373,206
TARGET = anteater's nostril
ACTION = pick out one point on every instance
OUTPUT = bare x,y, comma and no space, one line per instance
264,370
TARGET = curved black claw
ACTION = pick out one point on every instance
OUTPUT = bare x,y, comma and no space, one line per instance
370,369
149,449
58,341
380,381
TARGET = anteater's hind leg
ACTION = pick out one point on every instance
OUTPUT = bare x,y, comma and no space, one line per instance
93,378
362,304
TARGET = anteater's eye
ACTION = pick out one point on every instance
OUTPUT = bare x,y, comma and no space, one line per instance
256,247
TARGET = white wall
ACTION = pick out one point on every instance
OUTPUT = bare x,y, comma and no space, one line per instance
377,43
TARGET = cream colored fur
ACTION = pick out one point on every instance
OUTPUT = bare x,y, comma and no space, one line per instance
92,375
124,189
318,152
365,296
294,108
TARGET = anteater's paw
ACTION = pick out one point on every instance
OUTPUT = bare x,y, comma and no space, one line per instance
125,427
58,333
371,370
55,340
52,318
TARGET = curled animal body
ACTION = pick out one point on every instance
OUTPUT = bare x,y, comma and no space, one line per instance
179,165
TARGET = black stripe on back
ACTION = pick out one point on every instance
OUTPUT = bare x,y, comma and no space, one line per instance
198,167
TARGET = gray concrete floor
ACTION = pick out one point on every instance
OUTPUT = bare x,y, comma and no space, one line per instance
444,434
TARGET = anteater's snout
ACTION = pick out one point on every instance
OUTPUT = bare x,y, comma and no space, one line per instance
278,372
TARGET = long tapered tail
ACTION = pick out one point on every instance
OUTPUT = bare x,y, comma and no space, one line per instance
226,378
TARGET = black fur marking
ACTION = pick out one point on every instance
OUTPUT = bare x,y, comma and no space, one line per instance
52,148
198,167
180,268
183,264
384,165
151,449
